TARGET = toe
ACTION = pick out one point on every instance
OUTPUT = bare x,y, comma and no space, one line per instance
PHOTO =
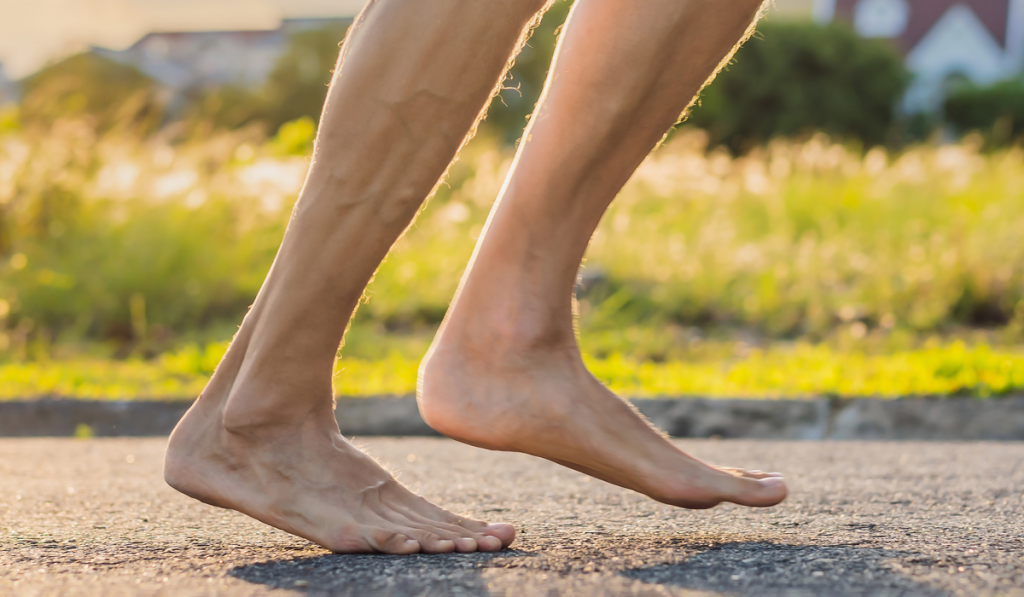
445,530
465,545
502,531
391,542
428,517
489,543
762,492
432,542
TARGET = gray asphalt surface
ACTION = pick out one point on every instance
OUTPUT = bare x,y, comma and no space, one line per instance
93,517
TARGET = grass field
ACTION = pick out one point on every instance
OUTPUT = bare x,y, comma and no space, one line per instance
800,371
803,268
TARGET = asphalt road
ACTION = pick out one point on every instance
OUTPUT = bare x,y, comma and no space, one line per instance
93,517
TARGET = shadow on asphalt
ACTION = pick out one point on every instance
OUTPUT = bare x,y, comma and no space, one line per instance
362,575
732,569
768,569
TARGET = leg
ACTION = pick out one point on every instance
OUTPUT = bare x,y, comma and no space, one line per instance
411,83
505,372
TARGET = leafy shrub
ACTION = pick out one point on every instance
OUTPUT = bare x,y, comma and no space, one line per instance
87,86
804,370
296,88
792,78
130,241
294,138
10,118
803,238
118,239
297,85
509,112
997,109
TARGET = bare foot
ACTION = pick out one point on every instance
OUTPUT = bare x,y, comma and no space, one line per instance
539,398
303,477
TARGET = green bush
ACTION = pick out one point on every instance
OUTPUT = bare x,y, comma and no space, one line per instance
800,371
792,78
997,109
118,237
100,91
134,241
509,112
138,244
298,84
296,88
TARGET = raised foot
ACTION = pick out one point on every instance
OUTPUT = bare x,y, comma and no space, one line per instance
547,404
308,480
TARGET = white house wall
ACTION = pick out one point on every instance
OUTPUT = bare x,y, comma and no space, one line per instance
195,59
824,11
1015,37
881,18
188,60
959,43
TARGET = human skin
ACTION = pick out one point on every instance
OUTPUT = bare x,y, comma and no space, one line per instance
505,371
413,78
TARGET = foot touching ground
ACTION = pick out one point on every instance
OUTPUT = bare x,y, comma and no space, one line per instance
544,402
303,477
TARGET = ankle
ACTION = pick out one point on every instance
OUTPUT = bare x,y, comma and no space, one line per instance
509,327
515,295
261,407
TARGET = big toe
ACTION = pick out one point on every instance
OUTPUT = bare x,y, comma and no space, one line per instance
503,531
760,492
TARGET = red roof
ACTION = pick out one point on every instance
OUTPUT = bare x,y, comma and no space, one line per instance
925,13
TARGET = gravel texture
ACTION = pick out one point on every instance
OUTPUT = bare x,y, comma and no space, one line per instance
907,519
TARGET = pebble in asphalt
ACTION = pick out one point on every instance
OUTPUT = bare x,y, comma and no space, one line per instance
93,517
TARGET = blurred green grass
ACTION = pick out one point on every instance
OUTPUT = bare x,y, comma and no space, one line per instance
801,371
802,268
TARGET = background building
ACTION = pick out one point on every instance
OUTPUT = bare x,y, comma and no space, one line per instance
192,59
944,41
